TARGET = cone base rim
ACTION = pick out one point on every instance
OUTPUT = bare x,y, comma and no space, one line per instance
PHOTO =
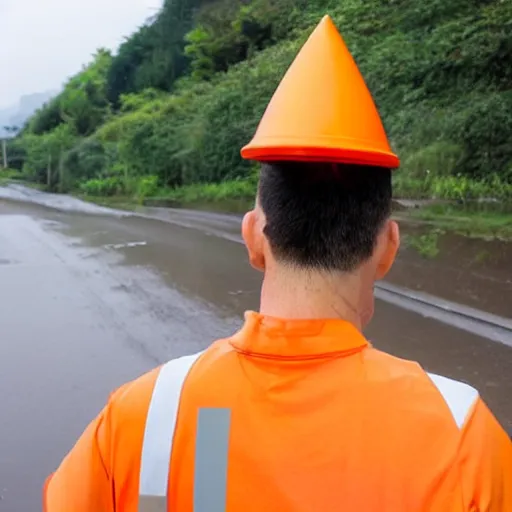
312,154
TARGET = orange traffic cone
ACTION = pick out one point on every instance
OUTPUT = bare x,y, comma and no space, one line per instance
322,110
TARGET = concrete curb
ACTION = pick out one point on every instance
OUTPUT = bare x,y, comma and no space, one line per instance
472,320
448,306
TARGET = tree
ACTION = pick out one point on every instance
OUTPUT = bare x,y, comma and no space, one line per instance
83,102
44,155
154,56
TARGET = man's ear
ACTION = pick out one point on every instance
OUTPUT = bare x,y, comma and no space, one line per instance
252,233
389,240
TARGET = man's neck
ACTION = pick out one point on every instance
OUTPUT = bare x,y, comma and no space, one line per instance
294,294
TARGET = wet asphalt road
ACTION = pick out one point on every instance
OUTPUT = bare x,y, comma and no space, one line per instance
88,302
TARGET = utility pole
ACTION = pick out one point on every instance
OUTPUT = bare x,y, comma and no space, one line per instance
4,152
49,172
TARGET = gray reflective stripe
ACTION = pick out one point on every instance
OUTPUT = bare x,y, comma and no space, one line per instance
211,460
160,425
458,396
152,504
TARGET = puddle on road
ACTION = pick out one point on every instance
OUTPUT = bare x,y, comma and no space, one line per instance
470,271
208,269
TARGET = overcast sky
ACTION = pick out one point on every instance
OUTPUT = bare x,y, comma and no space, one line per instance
44,42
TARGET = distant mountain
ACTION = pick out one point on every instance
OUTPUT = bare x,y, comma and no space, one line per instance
16,115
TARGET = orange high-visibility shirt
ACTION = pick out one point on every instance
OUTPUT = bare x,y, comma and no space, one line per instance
289,415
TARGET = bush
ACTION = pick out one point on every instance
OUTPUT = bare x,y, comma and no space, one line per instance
104,187
436,159
146,187
11,174
86,160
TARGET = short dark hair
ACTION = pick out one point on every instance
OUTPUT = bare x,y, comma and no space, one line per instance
324,216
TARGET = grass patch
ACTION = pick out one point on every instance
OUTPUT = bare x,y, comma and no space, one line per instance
487,224
8,176
235,196
426,245
212,192
453,188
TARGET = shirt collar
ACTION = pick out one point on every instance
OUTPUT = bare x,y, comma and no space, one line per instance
272,337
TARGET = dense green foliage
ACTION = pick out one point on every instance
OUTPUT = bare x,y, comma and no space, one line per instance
187,90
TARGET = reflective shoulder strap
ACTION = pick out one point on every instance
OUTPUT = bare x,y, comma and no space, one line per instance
159,433
458,396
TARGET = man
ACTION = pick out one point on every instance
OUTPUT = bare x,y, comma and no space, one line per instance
297,412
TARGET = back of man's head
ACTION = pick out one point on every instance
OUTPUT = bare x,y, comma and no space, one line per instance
323,216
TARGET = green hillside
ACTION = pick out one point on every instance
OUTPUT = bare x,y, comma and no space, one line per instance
169,113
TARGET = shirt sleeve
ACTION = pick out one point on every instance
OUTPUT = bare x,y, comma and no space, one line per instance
486,462
83,482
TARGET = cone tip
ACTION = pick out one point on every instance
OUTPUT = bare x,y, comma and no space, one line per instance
327,20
